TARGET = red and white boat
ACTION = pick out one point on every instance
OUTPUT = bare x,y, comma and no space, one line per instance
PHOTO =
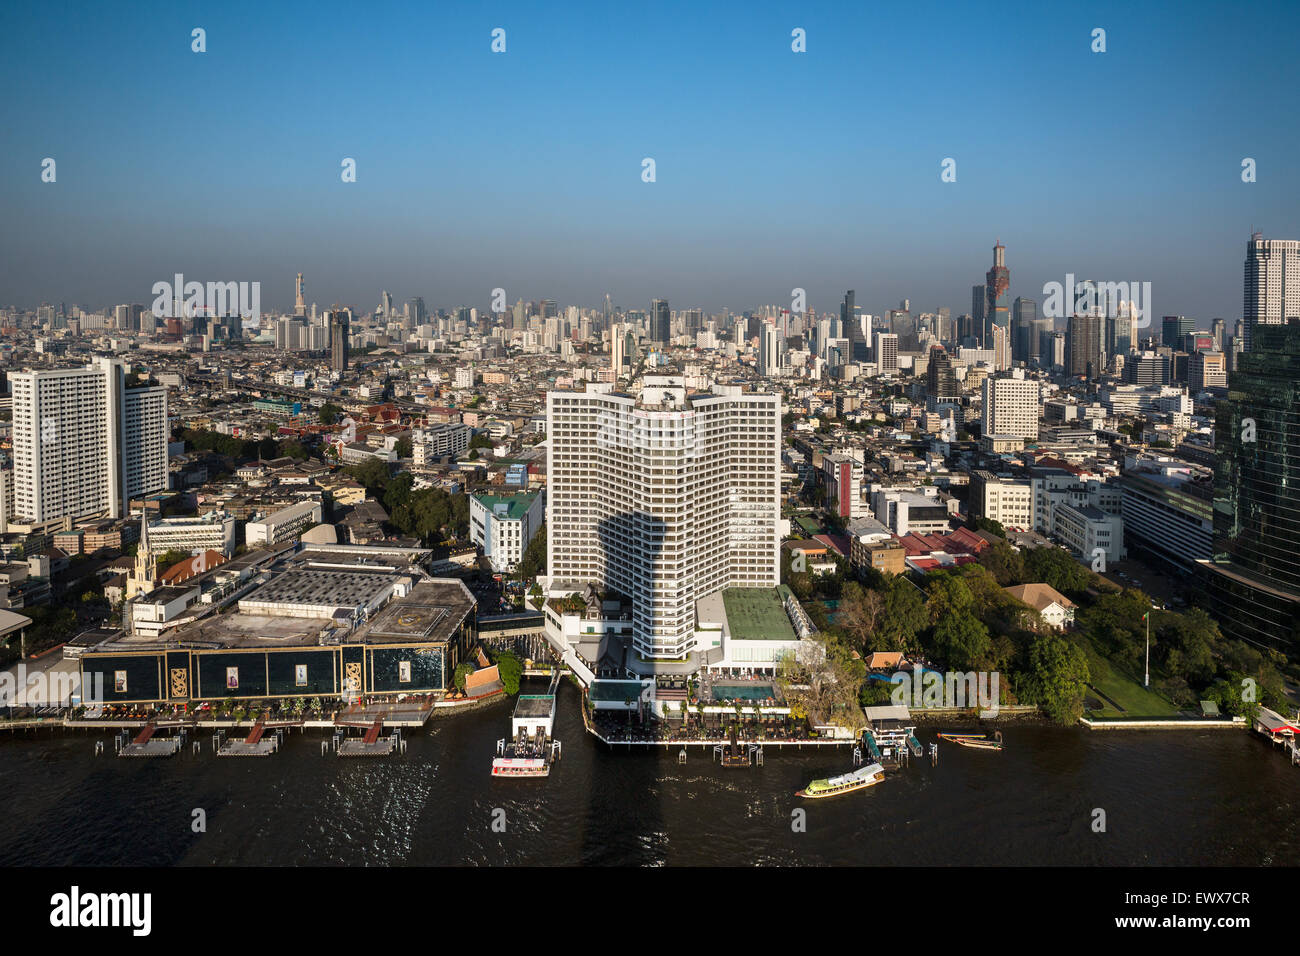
520,767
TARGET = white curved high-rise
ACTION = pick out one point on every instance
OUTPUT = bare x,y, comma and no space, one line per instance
663,497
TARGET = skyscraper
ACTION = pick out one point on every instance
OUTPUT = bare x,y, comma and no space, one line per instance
339,322
769,350
299,296
997,281
1254,580
852,329
660,322
416,312
886,353
978,310
1023,313
83,443
668,521
1084,333
1272,286
1173,328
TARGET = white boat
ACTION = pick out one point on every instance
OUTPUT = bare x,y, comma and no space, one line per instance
867,776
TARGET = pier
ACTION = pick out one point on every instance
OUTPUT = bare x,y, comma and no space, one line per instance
531,748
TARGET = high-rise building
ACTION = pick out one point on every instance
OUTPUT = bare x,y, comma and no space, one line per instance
1272,286
1206,370
1023,313
978,311
769,351
84,444
1040,341
852,328
1001,347
664,499
299,296
1173,328
1253,587
339,323
617,349
660,322
416,312
1085,351
996,282
941,381
1011,407
886,353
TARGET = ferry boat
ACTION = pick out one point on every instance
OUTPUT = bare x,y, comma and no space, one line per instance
859,779
520,767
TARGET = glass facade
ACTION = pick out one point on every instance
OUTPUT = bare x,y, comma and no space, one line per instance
1254,587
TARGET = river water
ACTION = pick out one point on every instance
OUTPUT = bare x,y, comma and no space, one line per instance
1191,798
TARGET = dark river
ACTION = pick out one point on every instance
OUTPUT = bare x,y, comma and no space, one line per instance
1191,798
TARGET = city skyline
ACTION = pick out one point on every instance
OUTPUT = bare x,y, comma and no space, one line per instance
542,188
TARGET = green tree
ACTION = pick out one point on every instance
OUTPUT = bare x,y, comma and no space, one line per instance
1005,563
961,641
403,447
1056,678
510,669
329,413
463,670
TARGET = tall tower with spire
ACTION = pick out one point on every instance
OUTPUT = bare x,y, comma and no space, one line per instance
299,299
997,281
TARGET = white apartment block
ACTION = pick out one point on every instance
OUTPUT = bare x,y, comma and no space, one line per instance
1090,533
282,525
1007,501
886,353
1011,407
504,525
84,444
439,441
214,531
664,498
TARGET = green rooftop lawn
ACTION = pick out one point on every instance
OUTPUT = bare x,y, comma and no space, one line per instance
756,614
1136,700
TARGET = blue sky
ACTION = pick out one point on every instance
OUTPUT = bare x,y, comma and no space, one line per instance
523,170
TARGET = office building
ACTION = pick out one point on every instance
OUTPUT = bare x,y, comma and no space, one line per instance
660,322
1254,579
84,444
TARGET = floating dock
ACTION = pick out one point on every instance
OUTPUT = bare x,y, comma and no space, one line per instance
147,745
370,745
254,745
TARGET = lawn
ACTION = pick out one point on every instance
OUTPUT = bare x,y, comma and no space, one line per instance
1128,693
